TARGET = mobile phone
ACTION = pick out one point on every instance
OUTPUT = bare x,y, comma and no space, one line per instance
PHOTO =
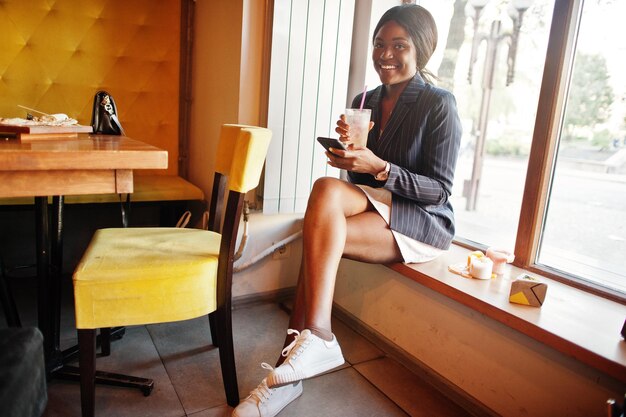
331,143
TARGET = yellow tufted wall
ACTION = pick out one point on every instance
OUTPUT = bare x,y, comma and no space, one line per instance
54,56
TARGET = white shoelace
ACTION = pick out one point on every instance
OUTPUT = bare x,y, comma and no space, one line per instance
291,345
262,391
296,347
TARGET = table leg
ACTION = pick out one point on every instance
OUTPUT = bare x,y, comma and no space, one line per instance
56,260
45,286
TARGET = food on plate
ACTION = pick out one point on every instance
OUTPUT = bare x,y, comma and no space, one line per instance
58,119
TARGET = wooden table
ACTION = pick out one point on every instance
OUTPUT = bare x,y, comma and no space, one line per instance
85,164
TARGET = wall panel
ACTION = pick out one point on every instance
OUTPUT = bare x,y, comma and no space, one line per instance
308,87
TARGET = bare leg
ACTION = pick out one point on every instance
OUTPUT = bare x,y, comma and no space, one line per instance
339,221
296,319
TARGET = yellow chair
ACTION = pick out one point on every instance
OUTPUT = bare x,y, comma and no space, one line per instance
136,276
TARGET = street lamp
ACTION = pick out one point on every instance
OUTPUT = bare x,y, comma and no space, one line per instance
496,35
516,10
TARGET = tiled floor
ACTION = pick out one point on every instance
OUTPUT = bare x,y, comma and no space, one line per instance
185,367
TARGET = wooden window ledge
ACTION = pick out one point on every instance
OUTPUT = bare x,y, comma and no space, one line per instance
576,323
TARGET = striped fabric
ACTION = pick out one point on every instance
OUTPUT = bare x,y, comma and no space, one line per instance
421,142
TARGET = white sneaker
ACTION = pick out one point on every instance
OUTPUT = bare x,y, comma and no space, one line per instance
307,356
267,402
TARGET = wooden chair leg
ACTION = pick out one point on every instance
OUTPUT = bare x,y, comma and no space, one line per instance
87,366
227,357
213,326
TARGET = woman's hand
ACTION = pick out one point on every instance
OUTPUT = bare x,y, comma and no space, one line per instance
356,159
343,129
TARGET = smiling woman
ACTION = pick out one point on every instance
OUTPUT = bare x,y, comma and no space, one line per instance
394,54
402,46
395,60
393,208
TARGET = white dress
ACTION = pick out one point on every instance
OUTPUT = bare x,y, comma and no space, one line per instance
413,251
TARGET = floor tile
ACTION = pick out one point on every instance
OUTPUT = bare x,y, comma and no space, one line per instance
193,363
260,333
342,393
411,393
219,411
134,354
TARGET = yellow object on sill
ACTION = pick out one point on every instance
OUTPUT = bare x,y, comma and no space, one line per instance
478,266
527,290
476,254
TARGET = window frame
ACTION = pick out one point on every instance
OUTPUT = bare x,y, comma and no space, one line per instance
564,28
565,24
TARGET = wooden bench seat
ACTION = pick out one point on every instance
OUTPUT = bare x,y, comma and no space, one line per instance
148,188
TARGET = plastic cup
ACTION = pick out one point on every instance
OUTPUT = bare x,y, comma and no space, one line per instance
359,121
500,257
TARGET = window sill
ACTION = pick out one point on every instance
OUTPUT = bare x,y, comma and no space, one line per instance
576,323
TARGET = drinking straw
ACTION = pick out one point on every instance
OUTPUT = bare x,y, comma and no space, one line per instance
29,109
363,98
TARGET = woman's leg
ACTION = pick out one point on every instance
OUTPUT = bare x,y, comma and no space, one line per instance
339,221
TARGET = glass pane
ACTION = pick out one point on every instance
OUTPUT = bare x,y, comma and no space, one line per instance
487,212
585,228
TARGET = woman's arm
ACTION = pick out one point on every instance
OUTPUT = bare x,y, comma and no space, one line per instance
437,157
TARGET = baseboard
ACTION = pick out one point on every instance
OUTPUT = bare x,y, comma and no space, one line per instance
275,296
456,394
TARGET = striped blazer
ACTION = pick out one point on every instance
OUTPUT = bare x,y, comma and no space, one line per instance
421,142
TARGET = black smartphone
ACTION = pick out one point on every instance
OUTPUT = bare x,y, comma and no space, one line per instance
331,143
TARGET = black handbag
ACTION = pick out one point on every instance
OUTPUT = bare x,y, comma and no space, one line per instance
104,116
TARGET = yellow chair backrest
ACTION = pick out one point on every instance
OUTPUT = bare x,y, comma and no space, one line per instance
241,154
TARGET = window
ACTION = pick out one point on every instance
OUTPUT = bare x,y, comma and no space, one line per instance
550,183
585,225
491,56
542,168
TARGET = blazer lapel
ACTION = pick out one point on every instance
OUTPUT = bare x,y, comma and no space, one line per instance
402,108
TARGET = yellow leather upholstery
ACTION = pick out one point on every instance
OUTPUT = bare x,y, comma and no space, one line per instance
152,275
248,158
146,275
226,148
57,54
